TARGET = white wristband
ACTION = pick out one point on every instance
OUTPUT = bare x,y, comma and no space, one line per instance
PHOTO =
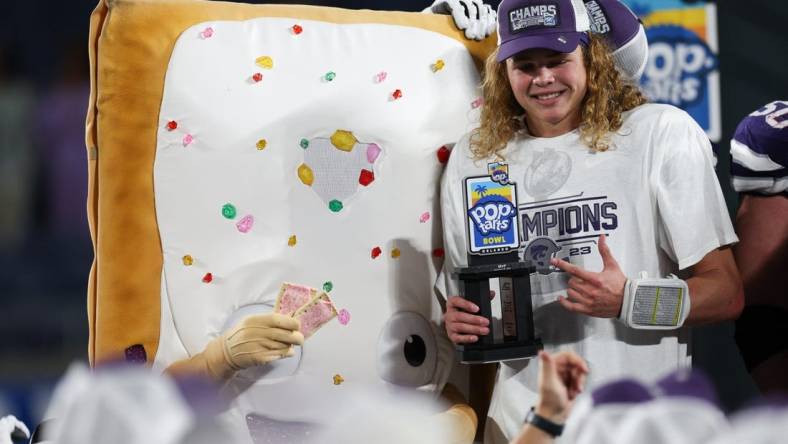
655,304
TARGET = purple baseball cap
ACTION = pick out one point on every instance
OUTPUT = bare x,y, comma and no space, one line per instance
559,25
613,20
623,31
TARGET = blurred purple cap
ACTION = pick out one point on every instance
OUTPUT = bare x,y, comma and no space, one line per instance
625,391
688,383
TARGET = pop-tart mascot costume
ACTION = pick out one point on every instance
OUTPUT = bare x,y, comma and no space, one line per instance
263,204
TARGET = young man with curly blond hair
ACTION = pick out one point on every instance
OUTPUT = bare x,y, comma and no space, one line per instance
609,187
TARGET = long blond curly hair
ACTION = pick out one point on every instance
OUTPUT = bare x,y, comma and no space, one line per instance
608,95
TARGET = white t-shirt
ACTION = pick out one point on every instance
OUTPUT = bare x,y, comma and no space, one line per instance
654,194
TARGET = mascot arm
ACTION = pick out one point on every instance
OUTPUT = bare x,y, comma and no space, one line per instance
459,418
256,340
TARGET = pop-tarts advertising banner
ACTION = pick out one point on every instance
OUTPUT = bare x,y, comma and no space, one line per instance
683,68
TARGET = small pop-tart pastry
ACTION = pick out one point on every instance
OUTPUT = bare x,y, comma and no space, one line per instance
317,312
292,297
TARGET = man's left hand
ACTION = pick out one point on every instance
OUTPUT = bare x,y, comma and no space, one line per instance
594,294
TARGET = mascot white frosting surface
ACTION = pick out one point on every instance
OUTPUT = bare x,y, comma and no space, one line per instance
301,151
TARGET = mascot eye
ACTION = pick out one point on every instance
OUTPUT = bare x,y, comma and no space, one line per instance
415,350
407,352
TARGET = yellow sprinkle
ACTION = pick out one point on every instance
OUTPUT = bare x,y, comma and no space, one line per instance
338,379
395,253
306,175
261,144
264,62
343,140
438,65
292,241
188,260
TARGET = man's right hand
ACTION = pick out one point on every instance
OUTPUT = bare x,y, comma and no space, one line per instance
462,326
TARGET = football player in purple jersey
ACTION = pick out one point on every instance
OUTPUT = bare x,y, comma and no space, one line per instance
759,171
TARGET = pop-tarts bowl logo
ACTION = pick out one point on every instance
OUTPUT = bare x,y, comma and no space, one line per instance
533,16
491,208
492,215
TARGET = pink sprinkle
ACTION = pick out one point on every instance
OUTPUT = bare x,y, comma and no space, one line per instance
187,139
381,76
245,224
373,151
206,33
424,217
477,103
343,316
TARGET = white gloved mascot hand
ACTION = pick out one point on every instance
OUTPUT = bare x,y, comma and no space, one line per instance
8,425
477,19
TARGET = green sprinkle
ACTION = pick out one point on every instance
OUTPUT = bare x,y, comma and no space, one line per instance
335,206
228,211
304,143
328,286
330,75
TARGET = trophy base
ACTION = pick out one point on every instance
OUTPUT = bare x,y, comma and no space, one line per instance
506,351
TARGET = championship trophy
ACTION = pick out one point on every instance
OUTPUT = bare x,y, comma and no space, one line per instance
493,240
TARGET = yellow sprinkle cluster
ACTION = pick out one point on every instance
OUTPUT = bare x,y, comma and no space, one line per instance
264,62
343,140
306,175
438,65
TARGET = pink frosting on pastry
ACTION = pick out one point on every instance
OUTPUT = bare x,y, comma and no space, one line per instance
315,315
293,298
